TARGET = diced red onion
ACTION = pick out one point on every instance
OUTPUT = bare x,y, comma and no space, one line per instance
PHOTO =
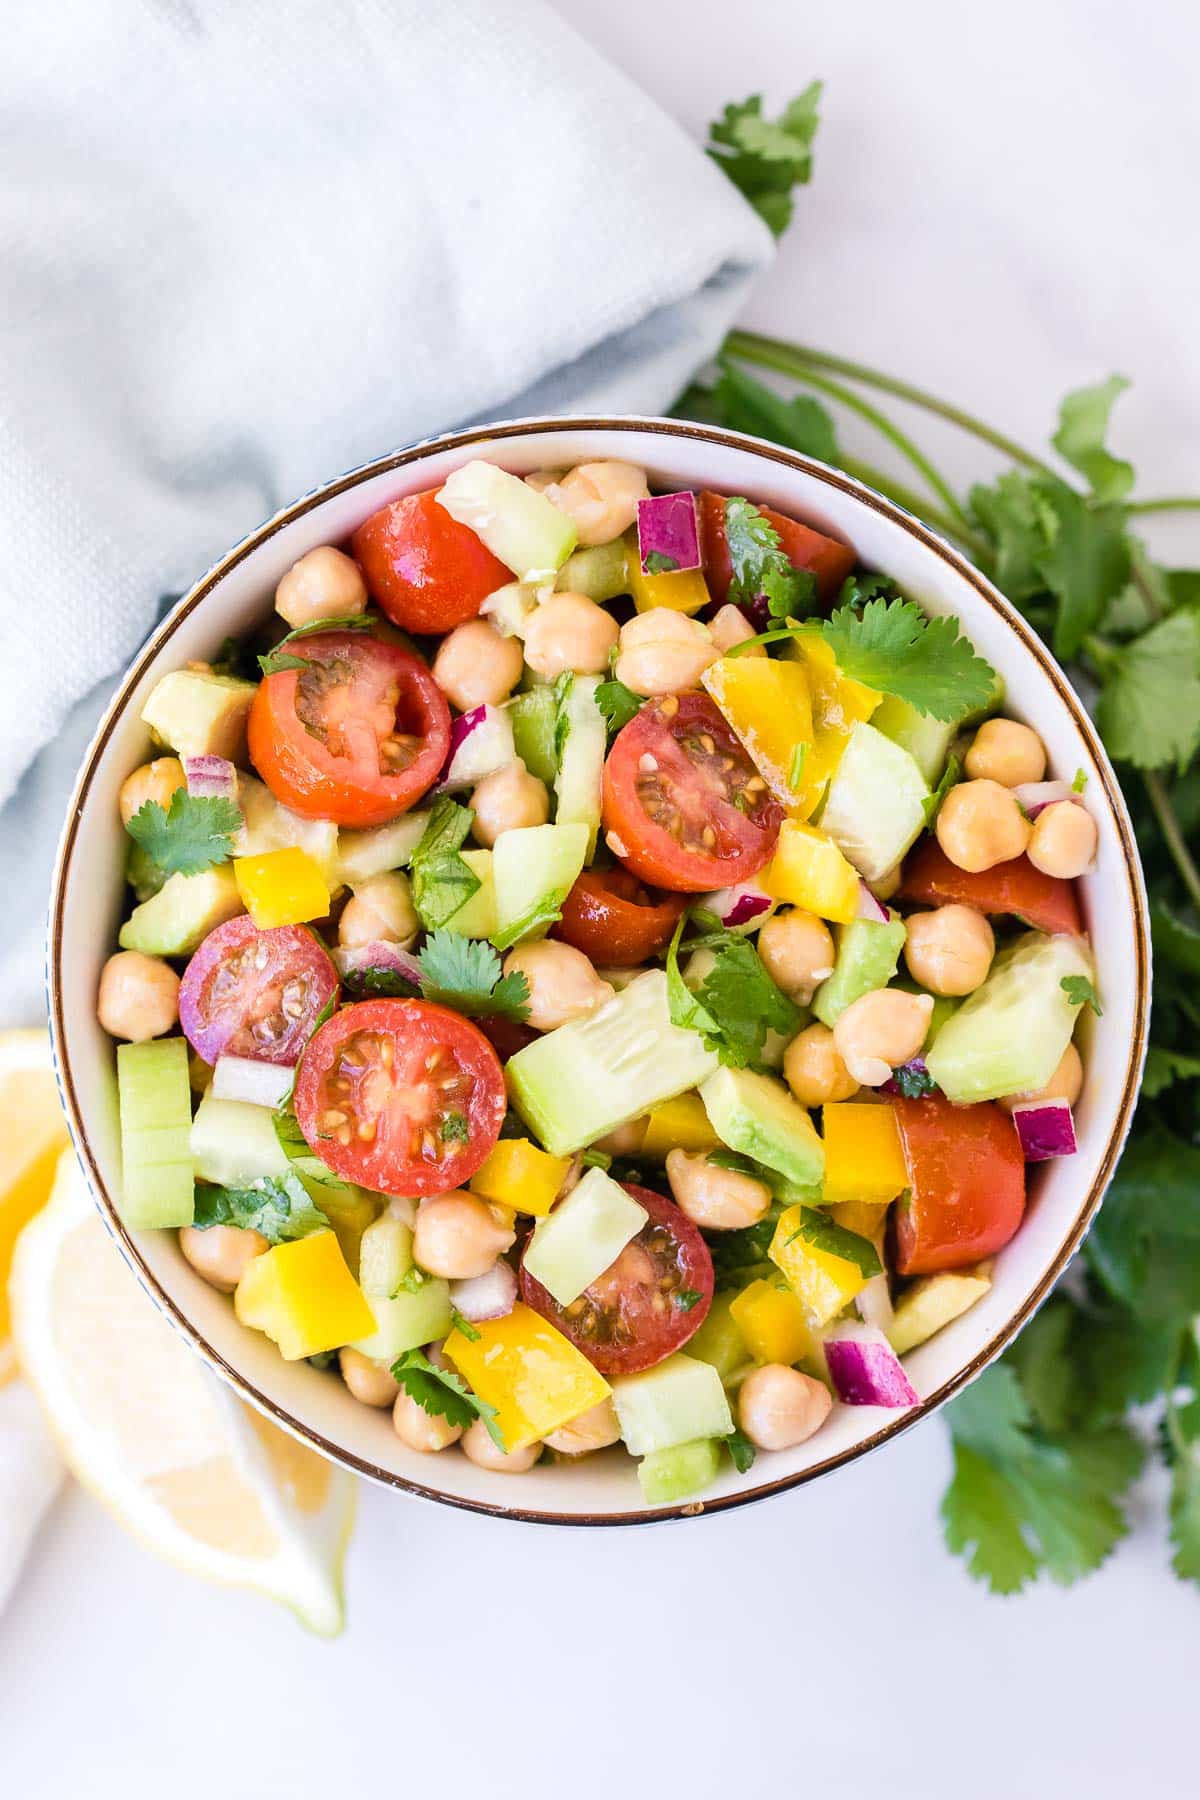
738,905
1046,1128
210,778
378,955
490,1296
667,526
865,1370
481,741
256,1083
1034,797
871,908
915,1066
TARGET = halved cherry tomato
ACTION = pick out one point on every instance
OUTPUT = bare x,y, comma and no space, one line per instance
427,571
1044,901
255,993
611,917
357,736
647,1304
828,560
966,1173
684,807
400,1096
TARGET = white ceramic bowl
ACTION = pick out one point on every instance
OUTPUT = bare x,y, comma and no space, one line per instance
236,594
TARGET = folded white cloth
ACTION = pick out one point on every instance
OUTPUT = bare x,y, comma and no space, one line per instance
30,1473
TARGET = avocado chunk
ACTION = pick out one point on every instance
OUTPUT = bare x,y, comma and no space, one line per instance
406,1321
1009,1035
673,1403
667,1475
200,714
868,952
875,809
756,1116
182,913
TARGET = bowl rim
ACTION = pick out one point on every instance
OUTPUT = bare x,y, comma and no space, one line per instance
670,428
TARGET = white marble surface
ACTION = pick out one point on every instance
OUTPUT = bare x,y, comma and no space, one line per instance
1003,207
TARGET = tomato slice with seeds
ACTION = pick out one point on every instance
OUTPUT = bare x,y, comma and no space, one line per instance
356,736
684,806
614,920
255,993
427,571
647,1304
1046,902
400,1096
805,548
966,1174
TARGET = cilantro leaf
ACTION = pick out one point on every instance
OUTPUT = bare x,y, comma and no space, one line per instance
686,1298
740,1257
455,1129
931,806
386,984
744,404
736,1003
1082,423
657,562
890,645
619,704
741,1451
1174,941
463,1326
766,158
277,1206
913,1079
834,1240
1184,1512
1145,1244
1165,1067
191,835
444,1393
761,566
1080,992
278,659
464,973
441,881
1149,706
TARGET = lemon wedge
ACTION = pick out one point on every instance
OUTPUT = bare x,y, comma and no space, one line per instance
33,1134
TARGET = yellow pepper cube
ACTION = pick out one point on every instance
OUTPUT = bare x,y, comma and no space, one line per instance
822,1283
304,1297
773,1324
284,887
838,704
682,590
810,871
861,1217
535,1378
519,1175
681,1124
864,1158
767,704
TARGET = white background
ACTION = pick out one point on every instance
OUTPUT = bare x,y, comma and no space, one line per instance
1004,207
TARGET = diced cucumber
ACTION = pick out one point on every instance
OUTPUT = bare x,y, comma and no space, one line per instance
1009,1035
926,739
234,1143
200,714
384,1257
599,572
584,739
510,608
534,869
867,956
672,1403
932,1302
668,1475
520,526
476,917
351,1210
583,1080
719,1341
142,872
583,1236
269,826
874,810
534,717
185,909
362,854
756,1116
406,1321
155,1100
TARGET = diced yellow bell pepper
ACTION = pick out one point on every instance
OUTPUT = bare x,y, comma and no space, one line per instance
822,1283
859,1216
838,704
681,1124
682,590
773,1323
520,1175
304,1297
283,887
535,1378
767,704
864,1158
810,871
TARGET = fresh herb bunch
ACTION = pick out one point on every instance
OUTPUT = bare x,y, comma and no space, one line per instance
1044,1447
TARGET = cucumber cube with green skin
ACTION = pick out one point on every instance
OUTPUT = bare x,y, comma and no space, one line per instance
577,1083
932,1302
673,1403
926,739
868,953
476,917
668,1475
234,1144
875,809
584,1235
155,1099
719,1341
533,721
199,714
520,526
1009,1036
361,854
580,776
177,919
534,869
599,572
406,1321
756,1116
510,608
384,1257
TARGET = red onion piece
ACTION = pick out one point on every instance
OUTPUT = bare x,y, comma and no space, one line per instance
490,1296
481,741
210,778
378,955
1046,1128
668,527
865,1370
1034,797
256,1083
871,908
738,905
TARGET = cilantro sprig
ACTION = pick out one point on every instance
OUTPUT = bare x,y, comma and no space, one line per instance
443,1393
761,567
767,158
193,834
277,1206
736,1003
441,881
464,973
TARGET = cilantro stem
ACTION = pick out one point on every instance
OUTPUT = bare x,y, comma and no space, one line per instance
1181,856
1168,503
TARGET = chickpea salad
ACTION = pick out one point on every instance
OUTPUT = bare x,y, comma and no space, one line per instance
599,968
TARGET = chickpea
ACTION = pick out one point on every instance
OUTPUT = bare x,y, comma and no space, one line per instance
663,652
594,1429
879,1031
563,985
138,998
730,626
222,1253
424,1432
949,950
813,1069
458,1236
380,910
1006,752
1066,1083
324,584
779,1407
1063,840
715,1199
475,666
508,800
542,480
980,824
626,1140
479,1449
155,780
368,1381
601,497
569,631
797,951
